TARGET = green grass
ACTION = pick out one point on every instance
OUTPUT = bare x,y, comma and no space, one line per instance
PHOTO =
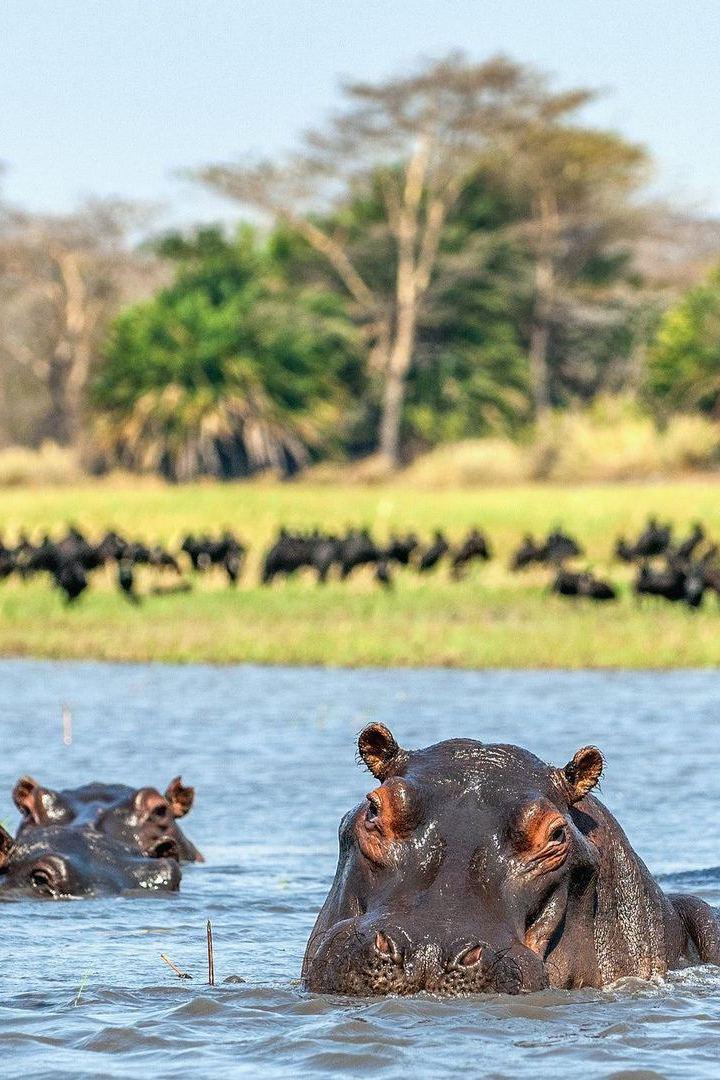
492,619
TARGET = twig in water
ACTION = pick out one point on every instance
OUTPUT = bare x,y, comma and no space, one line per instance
173,967
211,955
66,725
81,987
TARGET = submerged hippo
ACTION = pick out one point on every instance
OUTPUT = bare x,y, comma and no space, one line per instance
478,868
55,862
139,817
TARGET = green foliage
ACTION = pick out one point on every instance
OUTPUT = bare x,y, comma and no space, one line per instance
268,354
251,357
684,363
228,370
471,372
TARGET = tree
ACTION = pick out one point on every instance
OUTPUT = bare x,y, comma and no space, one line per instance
228,370
577,185
684,362
417,140
62,279
469,374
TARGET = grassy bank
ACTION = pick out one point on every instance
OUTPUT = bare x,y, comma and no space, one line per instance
492,619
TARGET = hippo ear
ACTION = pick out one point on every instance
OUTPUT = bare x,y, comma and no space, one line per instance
147,801
27,796
6,846
379,751
180,798
582,773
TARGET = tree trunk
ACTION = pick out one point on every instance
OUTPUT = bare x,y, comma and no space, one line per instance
59,424
63,422
540,336
391,420
399,362
70,364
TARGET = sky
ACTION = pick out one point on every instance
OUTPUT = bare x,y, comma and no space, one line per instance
116,97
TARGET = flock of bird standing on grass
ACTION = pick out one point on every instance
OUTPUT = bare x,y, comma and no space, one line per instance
680,571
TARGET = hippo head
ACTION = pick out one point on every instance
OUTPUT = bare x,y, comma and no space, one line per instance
459,873
57,862
140,817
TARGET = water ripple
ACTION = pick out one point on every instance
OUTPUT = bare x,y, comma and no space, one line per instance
85,993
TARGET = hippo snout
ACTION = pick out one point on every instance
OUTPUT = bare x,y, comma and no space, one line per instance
379,958
158,874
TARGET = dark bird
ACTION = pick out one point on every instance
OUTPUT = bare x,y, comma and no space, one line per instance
401,548
668,582
528,552
583,584
559,546
434,553
624,551
71,578
126,580
382,574
686,549
653,540
231,564
474,546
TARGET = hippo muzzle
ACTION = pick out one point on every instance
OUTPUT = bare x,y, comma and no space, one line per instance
58,862
373,957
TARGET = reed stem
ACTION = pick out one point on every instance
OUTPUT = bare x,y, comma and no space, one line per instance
211,955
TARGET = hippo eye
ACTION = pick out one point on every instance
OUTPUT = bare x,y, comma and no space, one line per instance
558,835
373,811
41,880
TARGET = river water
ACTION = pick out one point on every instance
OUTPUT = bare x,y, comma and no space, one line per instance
271,752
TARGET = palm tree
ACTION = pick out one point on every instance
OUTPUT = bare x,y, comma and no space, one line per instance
225,373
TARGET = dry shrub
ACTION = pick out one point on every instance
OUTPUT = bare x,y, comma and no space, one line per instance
472,461
579,448
368,471
51,464
691,442
612,441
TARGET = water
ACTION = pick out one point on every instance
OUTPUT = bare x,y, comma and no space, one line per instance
271,754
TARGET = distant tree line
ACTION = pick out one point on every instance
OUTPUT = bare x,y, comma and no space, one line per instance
455,253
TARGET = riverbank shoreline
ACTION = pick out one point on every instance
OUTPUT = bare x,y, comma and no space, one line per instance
493,619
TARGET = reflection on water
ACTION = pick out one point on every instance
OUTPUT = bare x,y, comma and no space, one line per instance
271,753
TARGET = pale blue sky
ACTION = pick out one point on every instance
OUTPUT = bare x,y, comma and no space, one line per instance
113,96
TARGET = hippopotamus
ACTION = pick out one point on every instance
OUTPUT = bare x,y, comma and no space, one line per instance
139,817
476,867
58,862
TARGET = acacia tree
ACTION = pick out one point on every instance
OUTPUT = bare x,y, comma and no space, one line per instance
62,278
419,139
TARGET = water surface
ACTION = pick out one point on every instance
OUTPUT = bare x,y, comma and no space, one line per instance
271,754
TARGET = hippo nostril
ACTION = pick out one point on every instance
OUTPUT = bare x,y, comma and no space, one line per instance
164,848
382,944
386,947
471,957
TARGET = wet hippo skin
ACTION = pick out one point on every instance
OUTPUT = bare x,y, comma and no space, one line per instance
140,817
56,862
474,867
